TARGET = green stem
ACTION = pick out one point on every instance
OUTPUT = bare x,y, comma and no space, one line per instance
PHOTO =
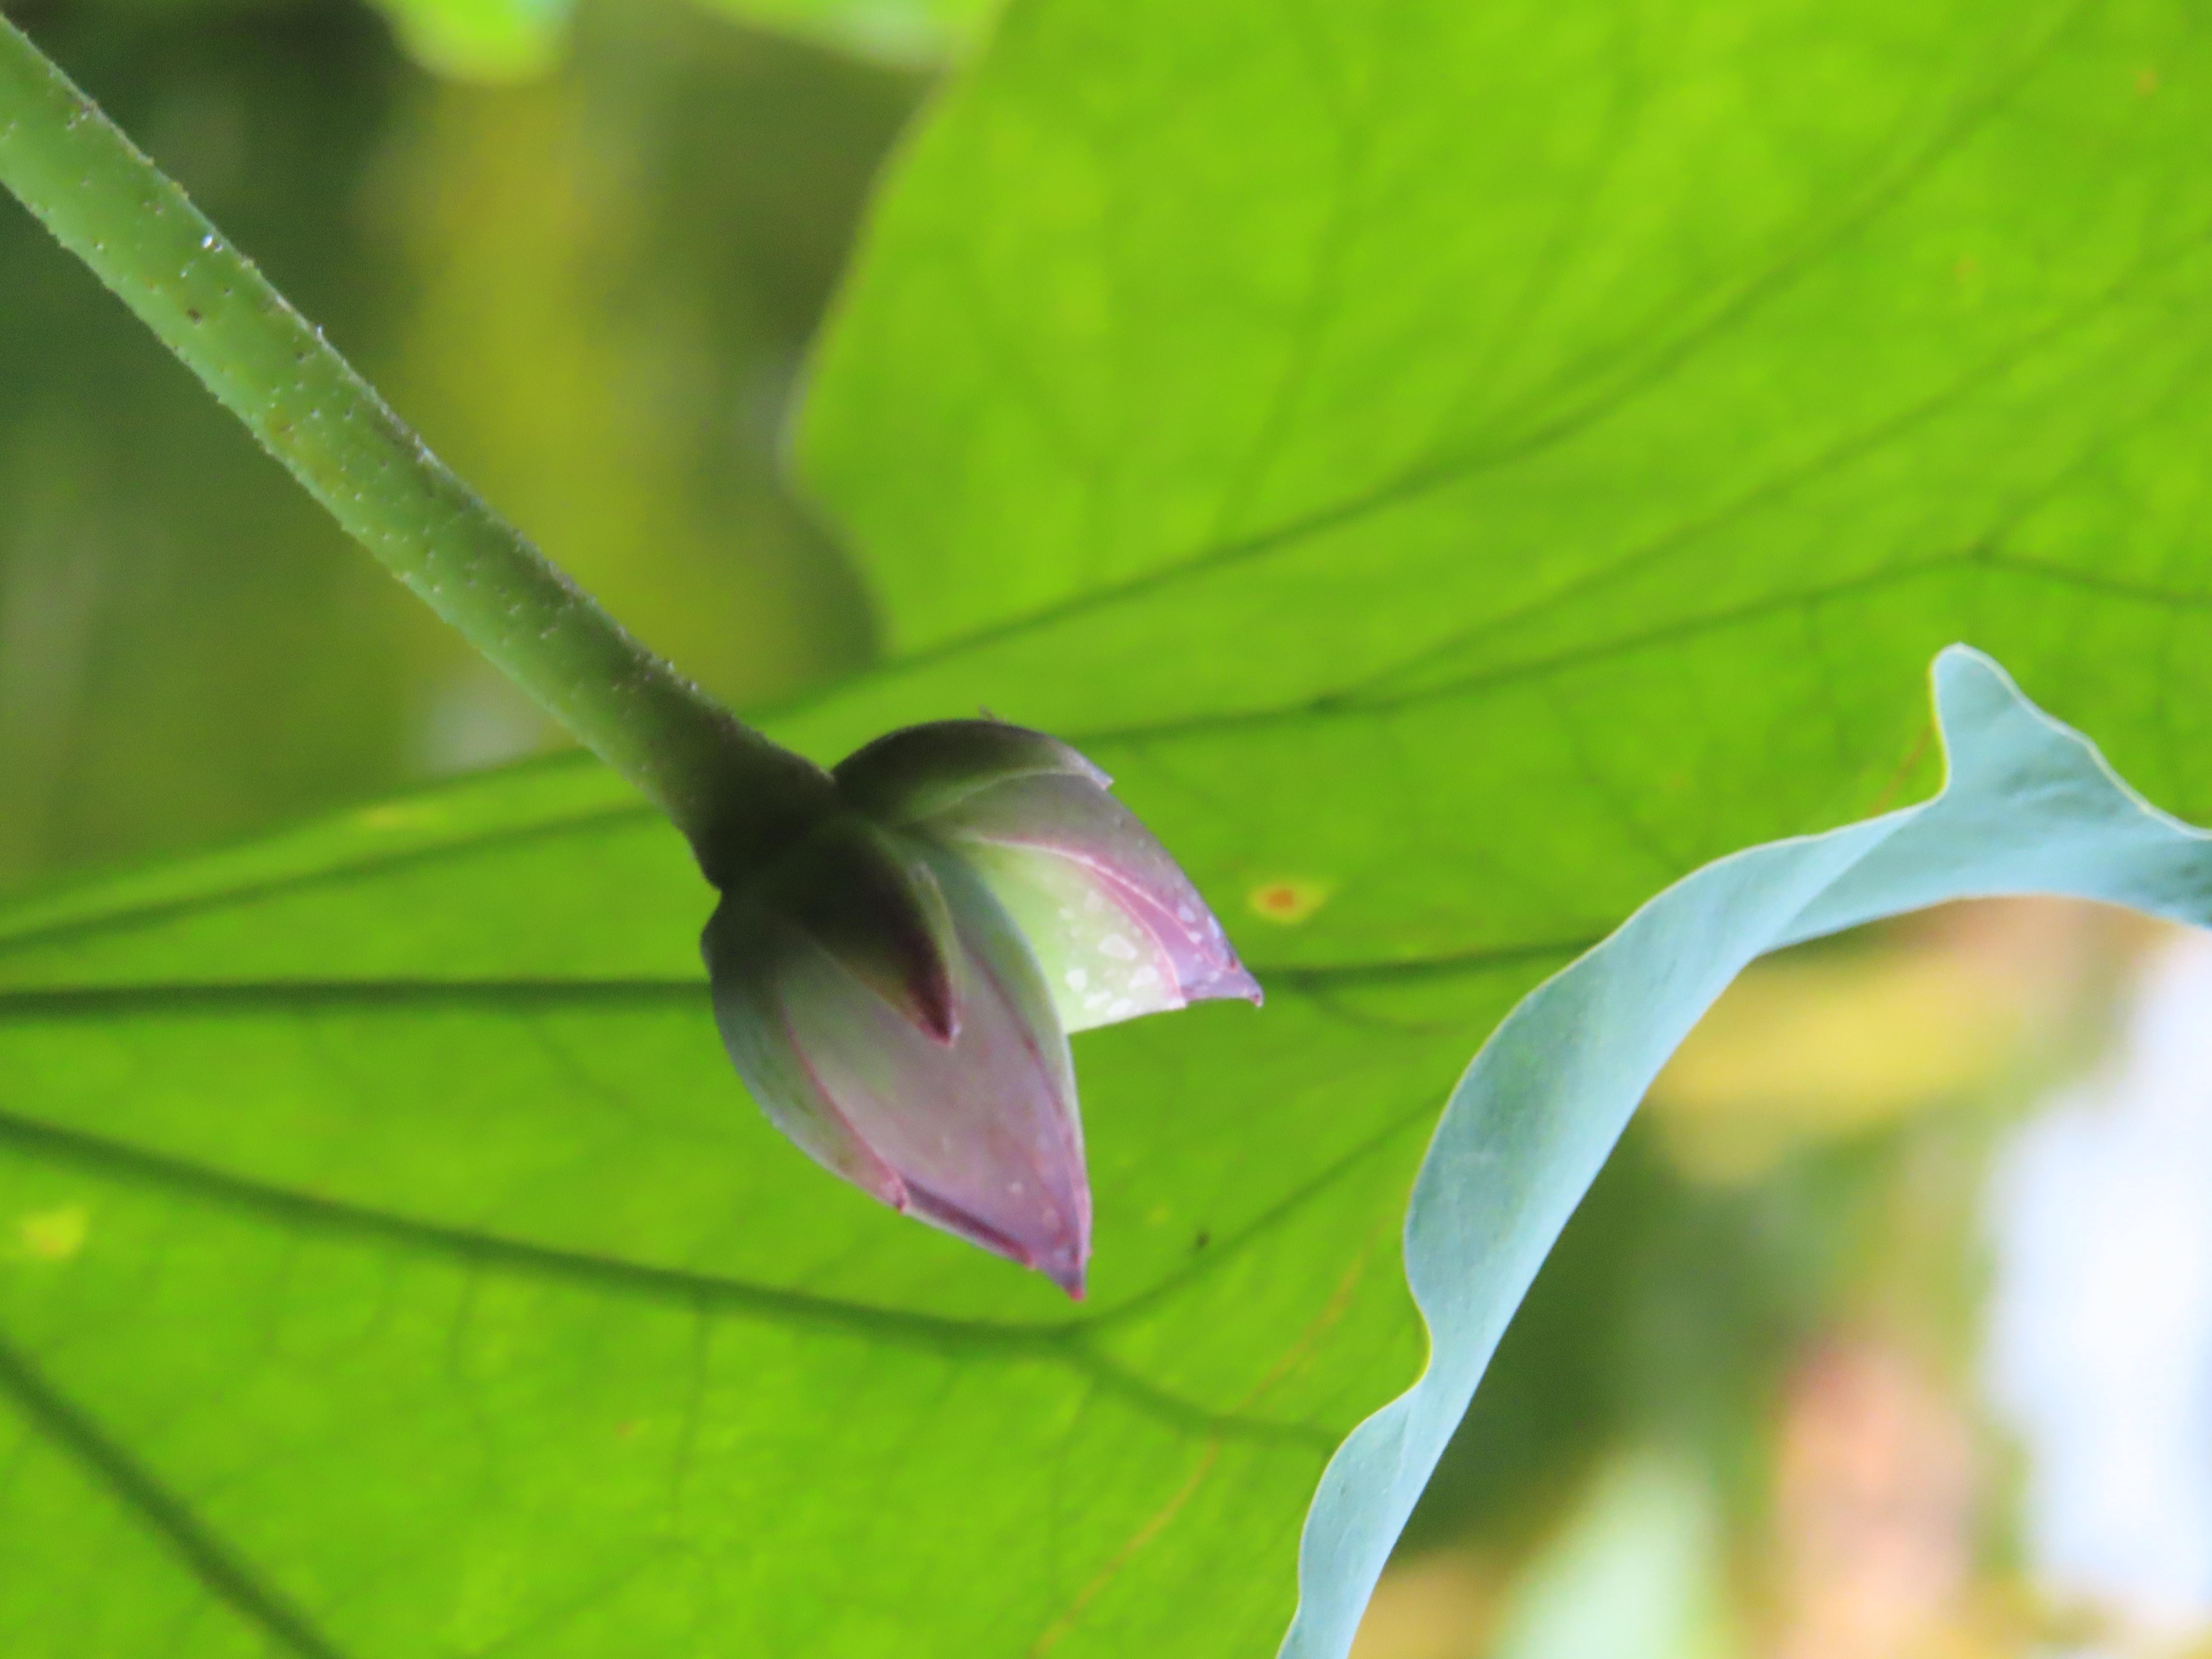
725,786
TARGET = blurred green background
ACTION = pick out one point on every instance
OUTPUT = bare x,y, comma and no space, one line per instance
1748,1407
590,290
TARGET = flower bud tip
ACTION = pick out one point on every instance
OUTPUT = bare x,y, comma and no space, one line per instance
936,1013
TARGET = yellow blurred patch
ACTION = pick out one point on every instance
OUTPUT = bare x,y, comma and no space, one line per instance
400,815
1804,1048
1441,1605
54,1235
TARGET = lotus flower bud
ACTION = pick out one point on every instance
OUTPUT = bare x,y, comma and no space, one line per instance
896,985
1115,926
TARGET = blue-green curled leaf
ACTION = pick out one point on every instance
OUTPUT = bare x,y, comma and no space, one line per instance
2028,806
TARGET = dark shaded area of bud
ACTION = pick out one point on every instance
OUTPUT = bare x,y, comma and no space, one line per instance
876,910
921,771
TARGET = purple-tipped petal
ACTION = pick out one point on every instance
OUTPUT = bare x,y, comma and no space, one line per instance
744,947
1115,925
979,1136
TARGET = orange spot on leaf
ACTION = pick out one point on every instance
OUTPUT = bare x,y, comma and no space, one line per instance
1288,901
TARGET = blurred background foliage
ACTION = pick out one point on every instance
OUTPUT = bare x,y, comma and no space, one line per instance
590,290
1748,1409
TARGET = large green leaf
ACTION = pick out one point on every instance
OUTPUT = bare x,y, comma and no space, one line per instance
1560,434
1461,468
393,1256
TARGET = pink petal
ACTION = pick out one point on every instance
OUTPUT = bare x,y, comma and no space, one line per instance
979,1136
743,948
1117,925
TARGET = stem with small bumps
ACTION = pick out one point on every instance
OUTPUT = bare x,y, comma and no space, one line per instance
728,788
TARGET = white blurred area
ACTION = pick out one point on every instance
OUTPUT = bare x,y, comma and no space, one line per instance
1991,1438
2098,1356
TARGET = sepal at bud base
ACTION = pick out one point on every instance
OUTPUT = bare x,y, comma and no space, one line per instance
919,772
